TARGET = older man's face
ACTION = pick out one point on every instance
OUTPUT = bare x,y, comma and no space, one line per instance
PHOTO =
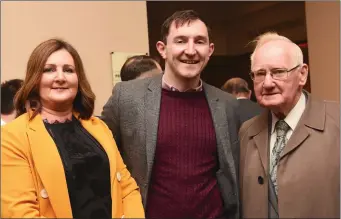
278,95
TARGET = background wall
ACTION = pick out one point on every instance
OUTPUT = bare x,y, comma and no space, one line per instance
94,28
98,28
323,30
234,23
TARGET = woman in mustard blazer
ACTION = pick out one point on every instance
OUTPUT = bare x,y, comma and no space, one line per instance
57,160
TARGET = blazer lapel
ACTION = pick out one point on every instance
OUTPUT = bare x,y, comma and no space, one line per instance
219,117
49,167
152,112
307,121
260,133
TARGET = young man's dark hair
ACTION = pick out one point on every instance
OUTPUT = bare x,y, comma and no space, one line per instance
8,91
180,18
135,66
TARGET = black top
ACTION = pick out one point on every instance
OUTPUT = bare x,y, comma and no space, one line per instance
87,170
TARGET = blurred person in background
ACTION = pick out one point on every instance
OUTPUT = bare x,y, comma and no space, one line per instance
239,88
139,67
8,90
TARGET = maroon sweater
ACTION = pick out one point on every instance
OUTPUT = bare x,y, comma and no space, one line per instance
183,182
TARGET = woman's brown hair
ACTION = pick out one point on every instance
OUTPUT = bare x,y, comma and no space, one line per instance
28,96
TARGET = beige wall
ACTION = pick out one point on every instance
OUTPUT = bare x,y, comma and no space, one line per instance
94,28
323,31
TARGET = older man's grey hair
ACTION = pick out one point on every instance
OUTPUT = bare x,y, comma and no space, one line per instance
296,52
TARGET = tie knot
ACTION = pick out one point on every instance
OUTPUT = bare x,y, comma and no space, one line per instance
281,127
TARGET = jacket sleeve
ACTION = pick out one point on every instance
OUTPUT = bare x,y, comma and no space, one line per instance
110,114
18,191
132,201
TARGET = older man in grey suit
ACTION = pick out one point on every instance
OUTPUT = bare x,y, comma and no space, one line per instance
290,155
178,135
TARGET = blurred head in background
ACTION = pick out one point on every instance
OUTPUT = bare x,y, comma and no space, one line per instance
138,67
8,91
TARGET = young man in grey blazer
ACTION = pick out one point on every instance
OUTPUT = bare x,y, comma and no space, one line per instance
178,135
290,154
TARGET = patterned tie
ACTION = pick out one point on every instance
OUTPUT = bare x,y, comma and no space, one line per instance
281,128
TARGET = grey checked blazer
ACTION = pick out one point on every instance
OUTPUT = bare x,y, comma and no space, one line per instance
132,114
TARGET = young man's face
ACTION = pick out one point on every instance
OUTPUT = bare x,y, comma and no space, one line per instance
187,50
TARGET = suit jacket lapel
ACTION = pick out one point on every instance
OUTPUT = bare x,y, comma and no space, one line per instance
259,130
49,167
152,112
219,117
307,121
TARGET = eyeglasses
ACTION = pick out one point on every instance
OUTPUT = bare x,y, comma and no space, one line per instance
275,73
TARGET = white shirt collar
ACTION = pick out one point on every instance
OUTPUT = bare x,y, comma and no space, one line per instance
169,87
294,115
238,98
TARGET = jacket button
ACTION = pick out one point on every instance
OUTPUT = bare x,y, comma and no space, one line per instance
43,193
260,180
118,176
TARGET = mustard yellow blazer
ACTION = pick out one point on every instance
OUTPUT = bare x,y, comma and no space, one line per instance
33,182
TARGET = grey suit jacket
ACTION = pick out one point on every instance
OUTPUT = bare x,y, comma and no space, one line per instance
248,109
132,114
